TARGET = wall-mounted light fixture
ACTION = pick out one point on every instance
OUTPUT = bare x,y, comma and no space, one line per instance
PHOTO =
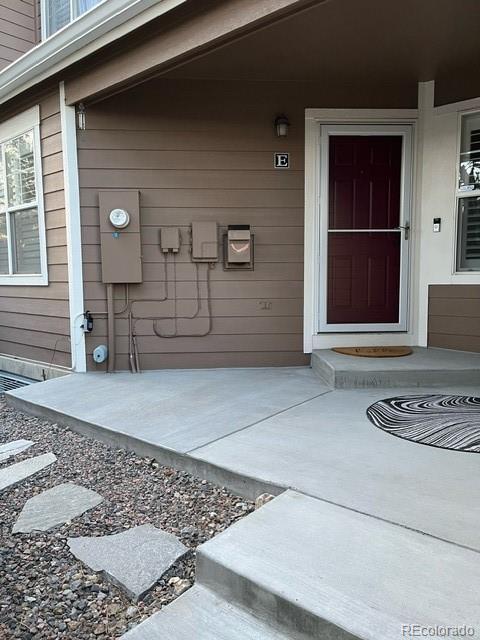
81,118
281,126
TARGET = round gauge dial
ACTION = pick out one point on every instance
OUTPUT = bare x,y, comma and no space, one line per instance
119,218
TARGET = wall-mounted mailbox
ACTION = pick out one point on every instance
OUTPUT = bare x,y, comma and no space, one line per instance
204,242
120,236
238,247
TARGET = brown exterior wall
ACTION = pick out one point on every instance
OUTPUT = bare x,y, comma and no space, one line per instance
454,317
34,320
19,28
201,153
203,150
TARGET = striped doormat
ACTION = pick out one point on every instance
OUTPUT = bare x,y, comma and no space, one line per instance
448,422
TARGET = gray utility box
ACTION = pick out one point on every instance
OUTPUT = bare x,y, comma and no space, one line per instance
204,241
121,245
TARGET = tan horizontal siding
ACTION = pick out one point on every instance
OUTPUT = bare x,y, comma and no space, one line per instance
224,326
207,344
182,216
219,359
184,139
147,159
34,306
155,272
18,29
47,324
17,44
201,153
34,321
51,145
263,236
187,179
222,308
241,198
31,352
221,290
454,317
263,253
55,219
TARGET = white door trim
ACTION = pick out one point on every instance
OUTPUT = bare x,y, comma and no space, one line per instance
405,132
314,120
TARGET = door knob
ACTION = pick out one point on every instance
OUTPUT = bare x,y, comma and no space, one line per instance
406,229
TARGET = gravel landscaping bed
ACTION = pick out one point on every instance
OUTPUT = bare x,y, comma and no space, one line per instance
44,591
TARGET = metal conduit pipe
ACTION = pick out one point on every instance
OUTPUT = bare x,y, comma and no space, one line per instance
111,328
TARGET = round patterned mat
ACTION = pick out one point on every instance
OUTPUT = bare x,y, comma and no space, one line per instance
448,422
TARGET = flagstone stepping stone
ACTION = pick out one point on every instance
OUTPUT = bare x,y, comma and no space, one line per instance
134,560
13,448
54,507
15,473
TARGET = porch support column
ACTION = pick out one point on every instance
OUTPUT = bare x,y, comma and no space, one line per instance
73,231
422,224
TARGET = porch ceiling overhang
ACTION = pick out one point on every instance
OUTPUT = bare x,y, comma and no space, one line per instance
327,41
199,29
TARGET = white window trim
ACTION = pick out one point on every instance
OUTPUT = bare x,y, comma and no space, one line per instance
16,126
462,273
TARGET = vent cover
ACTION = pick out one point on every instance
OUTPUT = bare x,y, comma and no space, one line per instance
9,381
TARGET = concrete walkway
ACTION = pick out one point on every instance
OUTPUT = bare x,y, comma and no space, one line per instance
381,533
269,429
301,568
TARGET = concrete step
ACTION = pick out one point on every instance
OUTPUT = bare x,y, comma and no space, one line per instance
424,367
301,568
199,614
317,570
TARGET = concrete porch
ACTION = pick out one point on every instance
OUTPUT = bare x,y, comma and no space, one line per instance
411,511
271,429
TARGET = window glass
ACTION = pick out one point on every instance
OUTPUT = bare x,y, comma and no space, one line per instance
20,170
85,5
58,14
468,195
468,253
26,241
3,244
20,250
469,178
62,12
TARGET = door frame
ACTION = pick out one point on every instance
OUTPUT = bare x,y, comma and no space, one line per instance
314,120
405,132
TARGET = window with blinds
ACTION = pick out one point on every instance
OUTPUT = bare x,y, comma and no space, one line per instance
58,13
19,232
468,196
23,259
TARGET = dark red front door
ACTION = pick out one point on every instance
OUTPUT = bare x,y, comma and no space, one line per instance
363,237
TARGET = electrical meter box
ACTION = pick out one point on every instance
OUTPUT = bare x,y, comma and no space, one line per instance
204,242
120,236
